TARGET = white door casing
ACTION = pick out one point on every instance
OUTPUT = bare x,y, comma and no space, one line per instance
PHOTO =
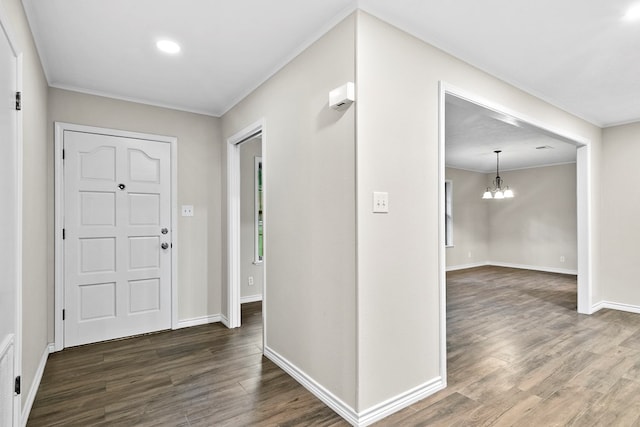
233,318
117,215
10,226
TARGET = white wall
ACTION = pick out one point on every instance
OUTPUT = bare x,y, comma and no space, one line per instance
309,155
397,126
470,219
620,232
37,241
199,184
248,152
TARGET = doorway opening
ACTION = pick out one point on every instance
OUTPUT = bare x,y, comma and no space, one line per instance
246,231
581,147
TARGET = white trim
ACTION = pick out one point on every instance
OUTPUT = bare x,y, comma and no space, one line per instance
510,265
616,306
200,320
35,384
60,128
597,307
585,227
363,418
533,267
401,401
328,398
175,247
442,276
250,298
466,266
233,219
224,320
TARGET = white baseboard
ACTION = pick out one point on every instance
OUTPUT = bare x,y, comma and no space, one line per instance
35,384
251,298
465,266
363,418
597,307
510,265
197,321
399,402
328,398
616,306
224,320
534,267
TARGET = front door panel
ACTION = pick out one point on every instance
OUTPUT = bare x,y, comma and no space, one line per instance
117,201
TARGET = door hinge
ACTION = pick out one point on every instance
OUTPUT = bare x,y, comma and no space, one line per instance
63,154
18,101
64,314
64,234
17,385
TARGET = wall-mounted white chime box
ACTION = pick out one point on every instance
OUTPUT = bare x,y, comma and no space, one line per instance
340,98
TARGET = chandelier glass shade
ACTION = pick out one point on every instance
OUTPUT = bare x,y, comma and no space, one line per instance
499,190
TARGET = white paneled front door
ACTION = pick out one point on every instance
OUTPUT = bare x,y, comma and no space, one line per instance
117,239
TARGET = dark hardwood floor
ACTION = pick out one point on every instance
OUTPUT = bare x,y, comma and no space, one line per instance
518,354
201,376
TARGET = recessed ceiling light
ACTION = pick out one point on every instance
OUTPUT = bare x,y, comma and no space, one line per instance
168,46
633,13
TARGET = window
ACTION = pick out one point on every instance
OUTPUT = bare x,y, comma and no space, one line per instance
448,216
258,225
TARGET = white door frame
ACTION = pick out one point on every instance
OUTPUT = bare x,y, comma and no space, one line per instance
583,192
15,149
233,223
60,128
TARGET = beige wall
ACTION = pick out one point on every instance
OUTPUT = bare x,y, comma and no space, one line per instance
248,152
199,184
620,232
534,229
398,296
36,224
470,219
308,150
539,225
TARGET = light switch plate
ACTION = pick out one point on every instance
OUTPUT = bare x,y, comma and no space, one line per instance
187,210
380,202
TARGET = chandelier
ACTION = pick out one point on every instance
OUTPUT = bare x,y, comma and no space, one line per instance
498,192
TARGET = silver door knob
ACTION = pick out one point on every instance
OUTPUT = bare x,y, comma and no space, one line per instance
164,245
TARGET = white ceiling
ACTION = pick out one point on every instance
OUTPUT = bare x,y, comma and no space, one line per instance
473,133
579,55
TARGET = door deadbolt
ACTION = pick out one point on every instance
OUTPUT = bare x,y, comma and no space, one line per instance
122,186
164,245
164,231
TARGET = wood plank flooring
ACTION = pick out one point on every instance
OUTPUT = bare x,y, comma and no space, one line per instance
202,376
518,354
